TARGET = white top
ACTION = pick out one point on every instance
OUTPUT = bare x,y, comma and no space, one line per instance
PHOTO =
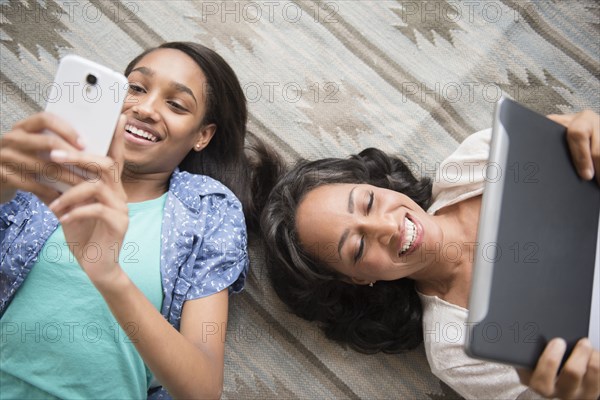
459,177
462,175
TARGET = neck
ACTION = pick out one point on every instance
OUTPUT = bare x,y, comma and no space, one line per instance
141,186
449,275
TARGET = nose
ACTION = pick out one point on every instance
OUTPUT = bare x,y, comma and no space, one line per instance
380,227
145,108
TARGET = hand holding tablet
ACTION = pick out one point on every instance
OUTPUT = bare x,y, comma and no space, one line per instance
541,280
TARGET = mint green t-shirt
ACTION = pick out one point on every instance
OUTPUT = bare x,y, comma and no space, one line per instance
58,337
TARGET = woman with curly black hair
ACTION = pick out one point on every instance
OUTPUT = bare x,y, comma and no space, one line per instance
356,314
361,246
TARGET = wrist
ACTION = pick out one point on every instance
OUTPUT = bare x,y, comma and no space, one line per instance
114,282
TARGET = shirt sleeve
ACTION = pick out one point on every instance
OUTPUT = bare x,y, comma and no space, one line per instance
11,212
476,379
222,258
444,330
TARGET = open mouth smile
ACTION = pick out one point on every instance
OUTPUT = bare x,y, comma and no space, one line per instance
411,238
141,134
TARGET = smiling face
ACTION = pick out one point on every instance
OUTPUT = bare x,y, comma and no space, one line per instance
367,233
165,106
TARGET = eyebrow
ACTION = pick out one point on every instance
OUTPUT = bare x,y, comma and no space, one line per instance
180,87
347,231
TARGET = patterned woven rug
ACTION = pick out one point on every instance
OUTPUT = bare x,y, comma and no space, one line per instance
328,78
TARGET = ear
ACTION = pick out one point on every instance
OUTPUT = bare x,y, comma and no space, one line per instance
358,281
204,136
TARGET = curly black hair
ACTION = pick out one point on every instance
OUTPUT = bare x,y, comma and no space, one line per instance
386,317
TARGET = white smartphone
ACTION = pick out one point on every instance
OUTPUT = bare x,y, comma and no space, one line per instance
89,96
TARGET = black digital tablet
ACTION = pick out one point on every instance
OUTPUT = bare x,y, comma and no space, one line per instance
536,263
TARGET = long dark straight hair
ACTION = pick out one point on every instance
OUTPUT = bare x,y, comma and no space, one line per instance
225,158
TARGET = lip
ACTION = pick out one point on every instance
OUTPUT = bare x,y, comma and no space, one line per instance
418,240
145,127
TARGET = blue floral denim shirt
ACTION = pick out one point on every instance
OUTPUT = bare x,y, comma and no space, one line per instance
204,243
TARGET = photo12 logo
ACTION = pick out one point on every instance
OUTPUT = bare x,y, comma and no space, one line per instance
267,11
291,92
66,332
474,171
493,252
466,11
491,332
69,11
53,92
469,92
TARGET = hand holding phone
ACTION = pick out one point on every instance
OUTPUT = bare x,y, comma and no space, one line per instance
89,97
24,155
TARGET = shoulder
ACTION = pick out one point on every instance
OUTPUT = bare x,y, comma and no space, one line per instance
195,191
478,142
463,173
472,151
206,224
208,206
205,205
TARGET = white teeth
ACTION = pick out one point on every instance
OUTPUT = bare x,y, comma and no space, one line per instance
410,234
141,133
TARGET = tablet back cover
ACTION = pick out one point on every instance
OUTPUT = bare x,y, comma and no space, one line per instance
539,263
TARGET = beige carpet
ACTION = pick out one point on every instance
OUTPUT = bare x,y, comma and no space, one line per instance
328,78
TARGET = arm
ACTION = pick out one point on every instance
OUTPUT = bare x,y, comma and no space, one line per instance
189,364
475,379
444,329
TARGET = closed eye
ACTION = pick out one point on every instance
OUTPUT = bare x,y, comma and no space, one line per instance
361,249
371,199
361,246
